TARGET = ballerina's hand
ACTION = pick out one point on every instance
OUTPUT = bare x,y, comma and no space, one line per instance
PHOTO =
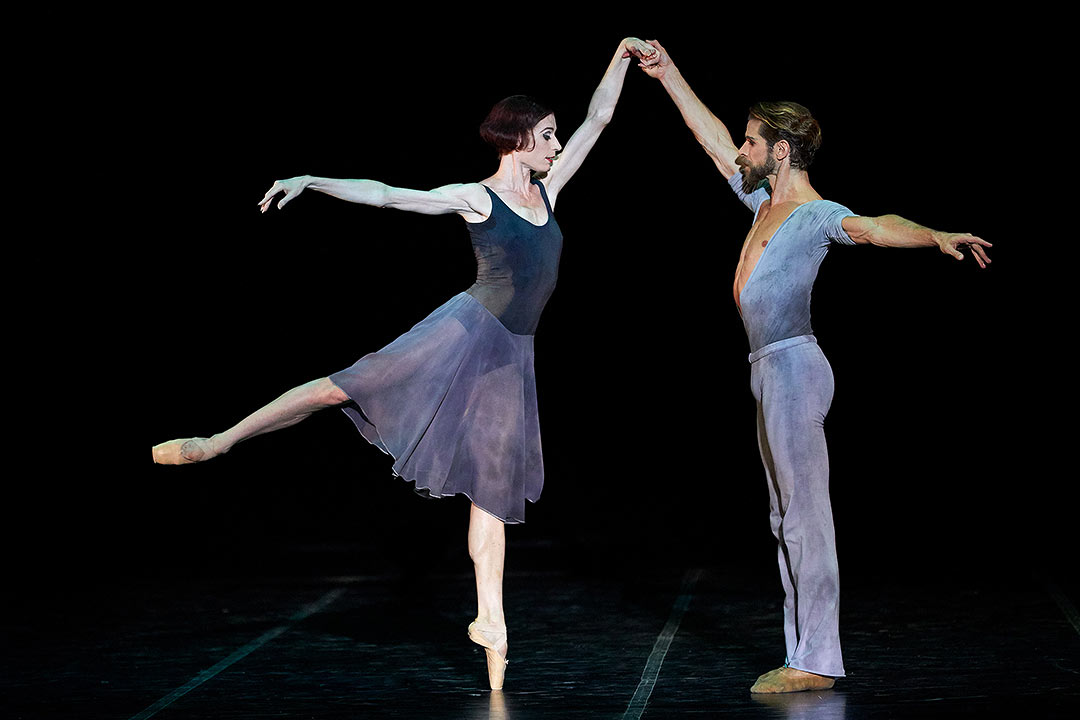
291,187
643,51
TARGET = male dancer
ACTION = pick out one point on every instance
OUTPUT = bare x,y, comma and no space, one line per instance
790,377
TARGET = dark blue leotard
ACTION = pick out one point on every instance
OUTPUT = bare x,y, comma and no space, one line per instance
517,264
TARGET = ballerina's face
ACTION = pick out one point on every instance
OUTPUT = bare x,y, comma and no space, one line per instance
545,146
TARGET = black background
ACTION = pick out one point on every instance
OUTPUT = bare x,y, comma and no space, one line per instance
196,309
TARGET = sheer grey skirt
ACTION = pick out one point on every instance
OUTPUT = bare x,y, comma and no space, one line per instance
453,401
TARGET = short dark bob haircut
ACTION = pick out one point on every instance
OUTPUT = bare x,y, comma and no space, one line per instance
509,125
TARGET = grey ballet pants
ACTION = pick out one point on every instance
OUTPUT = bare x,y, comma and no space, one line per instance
793,385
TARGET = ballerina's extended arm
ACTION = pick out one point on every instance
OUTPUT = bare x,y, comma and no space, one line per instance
601,110
463,199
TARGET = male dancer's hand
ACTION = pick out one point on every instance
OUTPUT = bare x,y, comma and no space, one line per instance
950,245
659,62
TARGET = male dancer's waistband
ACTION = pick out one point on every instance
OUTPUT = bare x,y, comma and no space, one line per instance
780,345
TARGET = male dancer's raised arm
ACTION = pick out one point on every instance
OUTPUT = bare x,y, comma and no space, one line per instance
707,128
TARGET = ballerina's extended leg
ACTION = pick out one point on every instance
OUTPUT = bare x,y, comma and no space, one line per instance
292,407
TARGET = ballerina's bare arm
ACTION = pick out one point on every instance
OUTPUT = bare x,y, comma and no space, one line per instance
468,200
601,109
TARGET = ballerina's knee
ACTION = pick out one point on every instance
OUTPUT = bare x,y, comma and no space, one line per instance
326,393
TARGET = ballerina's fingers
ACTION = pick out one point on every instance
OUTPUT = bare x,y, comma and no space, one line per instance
277,187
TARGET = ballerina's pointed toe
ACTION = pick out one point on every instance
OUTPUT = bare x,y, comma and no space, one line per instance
182,452
491,637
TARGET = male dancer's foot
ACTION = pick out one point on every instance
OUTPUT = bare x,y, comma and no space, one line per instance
788,679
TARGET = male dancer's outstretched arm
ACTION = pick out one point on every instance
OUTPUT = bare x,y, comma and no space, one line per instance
714,137
895,231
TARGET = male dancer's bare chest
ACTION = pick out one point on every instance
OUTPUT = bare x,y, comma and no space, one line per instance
768,221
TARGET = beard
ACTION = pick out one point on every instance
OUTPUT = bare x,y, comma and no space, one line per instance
752,175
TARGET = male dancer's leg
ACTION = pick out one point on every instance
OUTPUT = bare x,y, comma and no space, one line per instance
794,389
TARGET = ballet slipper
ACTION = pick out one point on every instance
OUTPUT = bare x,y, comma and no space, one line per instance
788,679
183,452
482,634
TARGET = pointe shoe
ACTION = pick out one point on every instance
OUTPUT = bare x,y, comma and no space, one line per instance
183,452
482,634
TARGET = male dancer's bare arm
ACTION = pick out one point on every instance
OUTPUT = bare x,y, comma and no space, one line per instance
895,231
712,134
466,199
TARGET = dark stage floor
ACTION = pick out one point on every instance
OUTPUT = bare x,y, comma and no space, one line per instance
644,642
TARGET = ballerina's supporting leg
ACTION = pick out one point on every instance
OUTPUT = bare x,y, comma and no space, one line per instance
487,547
292,407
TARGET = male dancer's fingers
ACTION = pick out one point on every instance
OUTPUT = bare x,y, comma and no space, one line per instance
975,245
976,252
662,52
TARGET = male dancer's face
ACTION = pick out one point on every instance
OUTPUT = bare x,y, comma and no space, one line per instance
755,159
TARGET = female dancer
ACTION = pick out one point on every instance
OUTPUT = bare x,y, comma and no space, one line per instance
453,400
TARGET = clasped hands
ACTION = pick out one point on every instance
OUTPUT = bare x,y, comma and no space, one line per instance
649,54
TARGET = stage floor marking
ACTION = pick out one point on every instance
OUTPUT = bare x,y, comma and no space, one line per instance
1065,604
304,612
663,641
